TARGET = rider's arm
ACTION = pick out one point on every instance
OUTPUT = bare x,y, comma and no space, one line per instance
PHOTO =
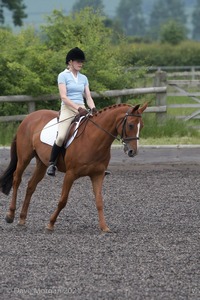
63,95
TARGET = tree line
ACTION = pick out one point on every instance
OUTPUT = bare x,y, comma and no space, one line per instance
31,60
164,18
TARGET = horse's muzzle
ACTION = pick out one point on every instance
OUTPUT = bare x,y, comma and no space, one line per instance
131,152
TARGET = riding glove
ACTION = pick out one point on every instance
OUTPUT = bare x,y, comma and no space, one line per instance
82,111
94,110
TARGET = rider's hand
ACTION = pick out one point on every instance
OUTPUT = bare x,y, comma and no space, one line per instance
82,111
94,111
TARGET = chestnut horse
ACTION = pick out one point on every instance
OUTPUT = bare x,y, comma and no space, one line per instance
88,155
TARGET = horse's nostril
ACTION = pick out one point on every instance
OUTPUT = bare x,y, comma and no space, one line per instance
131,153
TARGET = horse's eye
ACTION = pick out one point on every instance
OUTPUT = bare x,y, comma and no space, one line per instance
131,126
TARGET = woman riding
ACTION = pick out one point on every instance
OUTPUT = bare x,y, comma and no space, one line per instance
71,84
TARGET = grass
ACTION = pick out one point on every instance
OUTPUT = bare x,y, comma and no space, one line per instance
170,141
7,132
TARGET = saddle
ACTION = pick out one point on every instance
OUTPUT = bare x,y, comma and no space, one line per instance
49,132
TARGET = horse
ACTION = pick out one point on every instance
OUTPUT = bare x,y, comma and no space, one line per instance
88,155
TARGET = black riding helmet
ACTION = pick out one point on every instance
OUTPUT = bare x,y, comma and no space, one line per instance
75,54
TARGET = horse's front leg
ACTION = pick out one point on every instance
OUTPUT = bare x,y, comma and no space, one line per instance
97,182
67,184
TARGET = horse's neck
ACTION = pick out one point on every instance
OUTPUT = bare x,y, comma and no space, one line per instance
106,127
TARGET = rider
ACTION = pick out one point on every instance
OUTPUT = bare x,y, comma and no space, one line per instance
71,84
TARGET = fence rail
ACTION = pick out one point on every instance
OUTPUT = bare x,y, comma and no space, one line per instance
161,85
107,94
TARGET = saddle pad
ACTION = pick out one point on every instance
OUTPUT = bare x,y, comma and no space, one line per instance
49,132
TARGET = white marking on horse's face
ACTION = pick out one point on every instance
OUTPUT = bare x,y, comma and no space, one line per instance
138,132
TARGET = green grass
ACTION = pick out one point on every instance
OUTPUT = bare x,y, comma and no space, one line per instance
7,132
176,140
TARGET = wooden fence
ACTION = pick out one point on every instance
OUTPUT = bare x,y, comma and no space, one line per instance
161,85
191,72
160,91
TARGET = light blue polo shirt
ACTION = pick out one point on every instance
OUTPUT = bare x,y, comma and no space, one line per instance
75,86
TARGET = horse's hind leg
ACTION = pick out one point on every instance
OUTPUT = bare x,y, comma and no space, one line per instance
67,184
97,182
37,176
17,177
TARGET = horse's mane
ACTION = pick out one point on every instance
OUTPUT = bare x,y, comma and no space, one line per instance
111,107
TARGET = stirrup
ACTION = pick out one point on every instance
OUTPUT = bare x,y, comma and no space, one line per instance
51,170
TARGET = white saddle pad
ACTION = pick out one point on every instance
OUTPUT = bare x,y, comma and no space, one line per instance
49,132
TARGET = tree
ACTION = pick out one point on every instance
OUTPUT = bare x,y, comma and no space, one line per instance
196,21
130,14
164,11
172,32
25,64
104,63
17,7
97,5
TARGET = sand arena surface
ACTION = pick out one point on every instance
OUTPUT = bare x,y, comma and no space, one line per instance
152,208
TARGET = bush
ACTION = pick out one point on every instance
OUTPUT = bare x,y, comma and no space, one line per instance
157,54
172,32
169,128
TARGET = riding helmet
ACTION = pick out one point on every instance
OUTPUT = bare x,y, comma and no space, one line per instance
75,54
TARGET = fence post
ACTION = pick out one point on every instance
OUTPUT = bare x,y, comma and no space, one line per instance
193,73
118,100
161,98
31,107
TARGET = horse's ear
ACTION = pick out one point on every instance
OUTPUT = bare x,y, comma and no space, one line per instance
143,108
136,107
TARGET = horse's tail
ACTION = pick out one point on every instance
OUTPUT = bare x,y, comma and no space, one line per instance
6,179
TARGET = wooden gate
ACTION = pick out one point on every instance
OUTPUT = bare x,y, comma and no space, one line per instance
180,87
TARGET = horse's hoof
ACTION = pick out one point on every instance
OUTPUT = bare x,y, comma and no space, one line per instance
106,230
49,227
21,222
9,219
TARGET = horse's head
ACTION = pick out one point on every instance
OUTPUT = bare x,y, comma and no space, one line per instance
129,129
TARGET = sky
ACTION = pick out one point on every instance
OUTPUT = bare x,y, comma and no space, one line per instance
37,9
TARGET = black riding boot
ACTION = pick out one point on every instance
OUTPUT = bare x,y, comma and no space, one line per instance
53,160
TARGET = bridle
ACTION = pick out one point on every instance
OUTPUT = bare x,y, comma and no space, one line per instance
123,136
